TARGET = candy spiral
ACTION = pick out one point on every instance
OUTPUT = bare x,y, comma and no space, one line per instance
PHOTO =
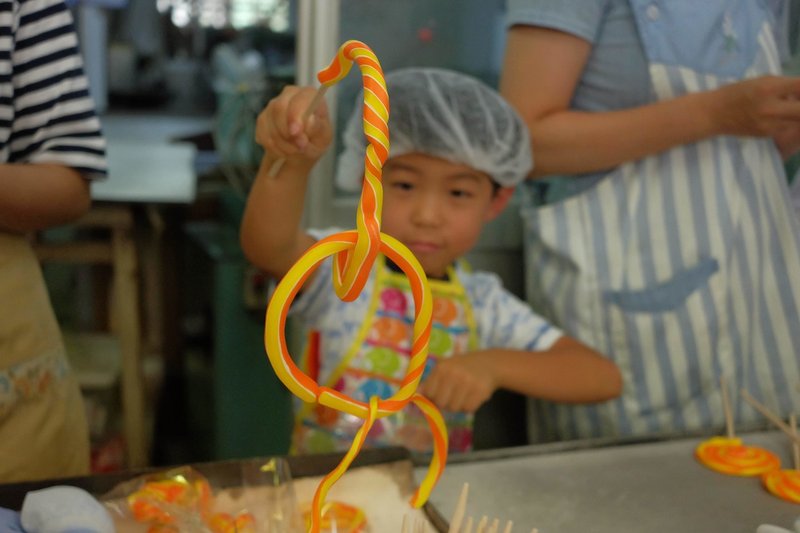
730,456
783,484
355,253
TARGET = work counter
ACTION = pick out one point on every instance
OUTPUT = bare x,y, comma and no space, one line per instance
568,487
586,487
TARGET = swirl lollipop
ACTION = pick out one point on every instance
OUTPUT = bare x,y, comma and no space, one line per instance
354,253
783,484
728,455
786,483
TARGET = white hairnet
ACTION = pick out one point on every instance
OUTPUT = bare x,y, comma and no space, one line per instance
448,115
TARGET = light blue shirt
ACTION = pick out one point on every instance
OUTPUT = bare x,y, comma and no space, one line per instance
616,73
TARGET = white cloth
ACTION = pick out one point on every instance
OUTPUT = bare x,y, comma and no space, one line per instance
64,509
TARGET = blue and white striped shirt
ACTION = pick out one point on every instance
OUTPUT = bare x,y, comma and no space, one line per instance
46,112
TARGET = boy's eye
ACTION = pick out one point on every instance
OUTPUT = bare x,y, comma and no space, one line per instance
402,185
460,193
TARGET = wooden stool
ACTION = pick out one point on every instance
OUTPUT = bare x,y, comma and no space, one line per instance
119,251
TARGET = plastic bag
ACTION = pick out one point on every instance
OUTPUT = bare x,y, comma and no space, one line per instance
257,498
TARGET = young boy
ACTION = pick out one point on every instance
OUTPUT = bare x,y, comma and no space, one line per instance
456,152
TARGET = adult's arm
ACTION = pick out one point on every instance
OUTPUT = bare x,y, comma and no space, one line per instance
542,68
37,196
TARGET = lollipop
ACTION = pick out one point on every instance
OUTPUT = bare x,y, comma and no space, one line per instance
786,483
783,484
728,455
355,253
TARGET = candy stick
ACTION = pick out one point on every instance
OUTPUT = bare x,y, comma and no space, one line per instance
795,444
318,97
770,416
467,526
461,508
726,406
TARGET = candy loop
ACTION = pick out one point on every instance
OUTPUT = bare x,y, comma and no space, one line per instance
300,383
354,254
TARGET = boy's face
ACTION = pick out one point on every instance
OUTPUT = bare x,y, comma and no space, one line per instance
437,208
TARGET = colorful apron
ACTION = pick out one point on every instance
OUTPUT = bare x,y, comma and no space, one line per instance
376,364
684,266
43,429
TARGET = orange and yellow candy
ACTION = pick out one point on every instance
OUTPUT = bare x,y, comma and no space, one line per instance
354,254
347,518
730,456
162,503
783,484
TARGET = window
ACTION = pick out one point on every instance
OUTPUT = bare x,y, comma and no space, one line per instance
226,13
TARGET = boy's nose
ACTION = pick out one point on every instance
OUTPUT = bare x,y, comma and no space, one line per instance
427,211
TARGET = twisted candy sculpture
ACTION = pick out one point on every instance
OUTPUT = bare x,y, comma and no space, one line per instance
355,252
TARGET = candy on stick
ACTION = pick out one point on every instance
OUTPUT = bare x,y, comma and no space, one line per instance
354,254
786,483
728,455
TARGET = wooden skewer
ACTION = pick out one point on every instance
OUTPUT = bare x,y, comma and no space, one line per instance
461,508
509,525
318,97
482,524
467,526
795,445
726,406
771,417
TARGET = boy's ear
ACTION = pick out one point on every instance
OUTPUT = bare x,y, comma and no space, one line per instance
499,202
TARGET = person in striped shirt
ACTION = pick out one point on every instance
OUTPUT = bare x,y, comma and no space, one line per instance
51,147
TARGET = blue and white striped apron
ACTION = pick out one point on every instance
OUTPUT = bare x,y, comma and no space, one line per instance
685,266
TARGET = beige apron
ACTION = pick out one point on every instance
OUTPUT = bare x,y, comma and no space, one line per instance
43,429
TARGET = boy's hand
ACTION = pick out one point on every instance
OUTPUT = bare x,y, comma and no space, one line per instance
461,383
283,132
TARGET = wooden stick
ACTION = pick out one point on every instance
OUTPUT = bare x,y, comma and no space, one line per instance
318,97
494,526
726,406
509,525
795,445
467,526
482,524
461,508
770,416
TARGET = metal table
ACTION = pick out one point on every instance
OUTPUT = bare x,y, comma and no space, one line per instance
654,487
